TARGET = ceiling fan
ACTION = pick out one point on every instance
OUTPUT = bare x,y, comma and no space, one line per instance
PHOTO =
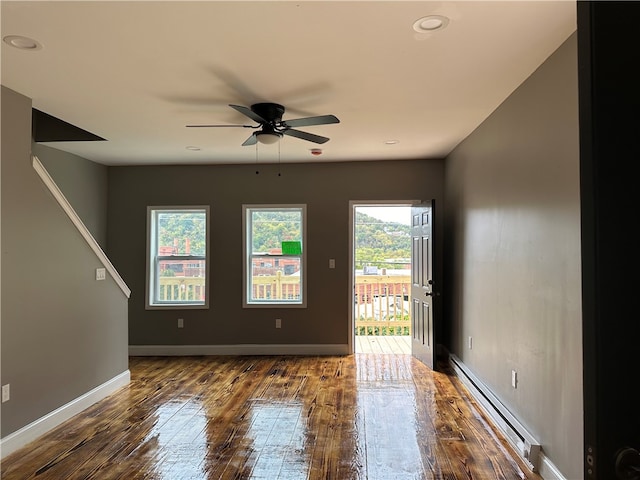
272,127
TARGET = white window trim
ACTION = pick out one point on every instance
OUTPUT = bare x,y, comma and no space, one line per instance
149,283
246,265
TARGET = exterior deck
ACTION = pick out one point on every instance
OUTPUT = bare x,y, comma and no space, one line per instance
394,344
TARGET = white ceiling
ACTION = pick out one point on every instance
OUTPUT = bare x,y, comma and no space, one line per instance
137,72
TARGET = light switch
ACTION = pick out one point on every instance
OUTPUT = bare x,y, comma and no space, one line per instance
100,274
6,393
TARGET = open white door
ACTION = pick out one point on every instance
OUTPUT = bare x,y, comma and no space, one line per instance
422,331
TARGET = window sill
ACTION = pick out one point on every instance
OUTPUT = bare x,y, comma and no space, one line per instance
177,306
274,305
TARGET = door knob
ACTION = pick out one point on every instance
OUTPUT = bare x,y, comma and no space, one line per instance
628,464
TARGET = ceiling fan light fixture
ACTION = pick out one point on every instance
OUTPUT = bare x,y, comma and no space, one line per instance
268,138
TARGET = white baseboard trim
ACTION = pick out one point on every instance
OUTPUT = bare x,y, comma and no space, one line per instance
548,471
247,349
39,427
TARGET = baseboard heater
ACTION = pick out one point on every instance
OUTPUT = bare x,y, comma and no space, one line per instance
527,447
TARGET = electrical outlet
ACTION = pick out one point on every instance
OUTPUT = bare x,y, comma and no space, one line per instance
332,263
470,342
6,393
101,274
181,323
278,323
514,379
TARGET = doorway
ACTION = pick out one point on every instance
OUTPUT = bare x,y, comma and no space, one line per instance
381,277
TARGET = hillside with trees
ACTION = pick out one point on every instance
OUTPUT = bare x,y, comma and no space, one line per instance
377,242
183,231
271,228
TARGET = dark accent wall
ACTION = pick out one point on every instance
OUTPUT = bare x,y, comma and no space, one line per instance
63,333
326,189
513,256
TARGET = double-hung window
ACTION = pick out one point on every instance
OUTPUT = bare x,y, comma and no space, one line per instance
274,260
177,267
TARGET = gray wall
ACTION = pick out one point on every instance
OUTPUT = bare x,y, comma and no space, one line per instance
325,188
83,183
513,234
63,333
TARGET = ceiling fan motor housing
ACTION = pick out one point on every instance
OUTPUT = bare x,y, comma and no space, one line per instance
272,112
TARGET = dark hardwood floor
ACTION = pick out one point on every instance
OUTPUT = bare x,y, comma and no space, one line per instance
363,416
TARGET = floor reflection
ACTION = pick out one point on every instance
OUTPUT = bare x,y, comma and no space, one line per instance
179,439
278,432
388,424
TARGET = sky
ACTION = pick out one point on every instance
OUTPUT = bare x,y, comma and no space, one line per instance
389,214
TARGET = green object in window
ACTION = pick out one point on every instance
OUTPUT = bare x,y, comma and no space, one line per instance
291,248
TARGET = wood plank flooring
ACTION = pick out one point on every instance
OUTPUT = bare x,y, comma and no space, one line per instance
362,416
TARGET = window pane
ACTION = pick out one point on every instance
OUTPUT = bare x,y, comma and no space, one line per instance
271,282
182,233
272,227
181,280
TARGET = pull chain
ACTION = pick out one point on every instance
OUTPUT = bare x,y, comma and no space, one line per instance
257,171
279,174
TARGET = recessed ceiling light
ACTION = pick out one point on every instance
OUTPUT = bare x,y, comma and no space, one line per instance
391,142
193,148
430,23
23,43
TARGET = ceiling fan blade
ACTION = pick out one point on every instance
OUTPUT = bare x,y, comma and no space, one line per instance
319,120
249,113
211,126
305,136
252,140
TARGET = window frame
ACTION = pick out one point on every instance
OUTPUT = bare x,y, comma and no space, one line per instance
248,256
152,259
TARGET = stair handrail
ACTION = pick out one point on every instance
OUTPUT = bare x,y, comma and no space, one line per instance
79,224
